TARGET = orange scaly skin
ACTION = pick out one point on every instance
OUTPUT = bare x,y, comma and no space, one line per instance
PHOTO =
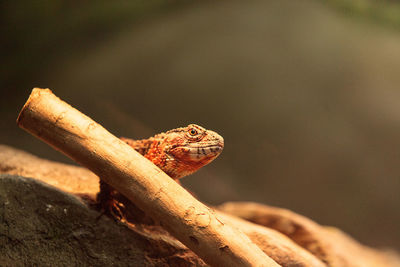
178,153
181,151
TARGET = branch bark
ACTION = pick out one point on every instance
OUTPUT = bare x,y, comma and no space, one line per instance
88,143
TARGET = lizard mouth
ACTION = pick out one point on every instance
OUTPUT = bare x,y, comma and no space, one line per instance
205,150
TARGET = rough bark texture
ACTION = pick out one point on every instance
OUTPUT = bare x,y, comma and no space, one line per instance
43,225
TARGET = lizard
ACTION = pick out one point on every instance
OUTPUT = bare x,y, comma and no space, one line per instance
178,152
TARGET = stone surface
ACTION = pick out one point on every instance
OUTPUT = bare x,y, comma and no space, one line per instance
42,223
69,178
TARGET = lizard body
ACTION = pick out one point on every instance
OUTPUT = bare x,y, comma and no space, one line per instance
178,152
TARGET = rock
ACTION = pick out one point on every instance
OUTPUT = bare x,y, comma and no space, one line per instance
41,225
69,178
45,221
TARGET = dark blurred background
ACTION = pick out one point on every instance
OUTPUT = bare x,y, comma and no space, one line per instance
306,93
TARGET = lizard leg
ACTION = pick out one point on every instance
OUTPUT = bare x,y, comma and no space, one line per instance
108,204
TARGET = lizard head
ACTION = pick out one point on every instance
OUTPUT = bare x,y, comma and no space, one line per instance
191,148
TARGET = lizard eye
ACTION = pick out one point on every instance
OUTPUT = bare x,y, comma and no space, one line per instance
193,132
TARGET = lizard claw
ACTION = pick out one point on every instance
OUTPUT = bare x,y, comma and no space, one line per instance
113,208
108,204
117,209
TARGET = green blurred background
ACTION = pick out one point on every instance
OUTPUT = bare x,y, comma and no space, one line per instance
306,93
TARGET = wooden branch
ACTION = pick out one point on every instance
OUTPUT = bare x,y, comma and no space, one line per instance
194,224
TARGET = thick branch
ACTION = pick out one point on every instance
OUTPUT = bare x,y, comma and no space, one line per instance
194,224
